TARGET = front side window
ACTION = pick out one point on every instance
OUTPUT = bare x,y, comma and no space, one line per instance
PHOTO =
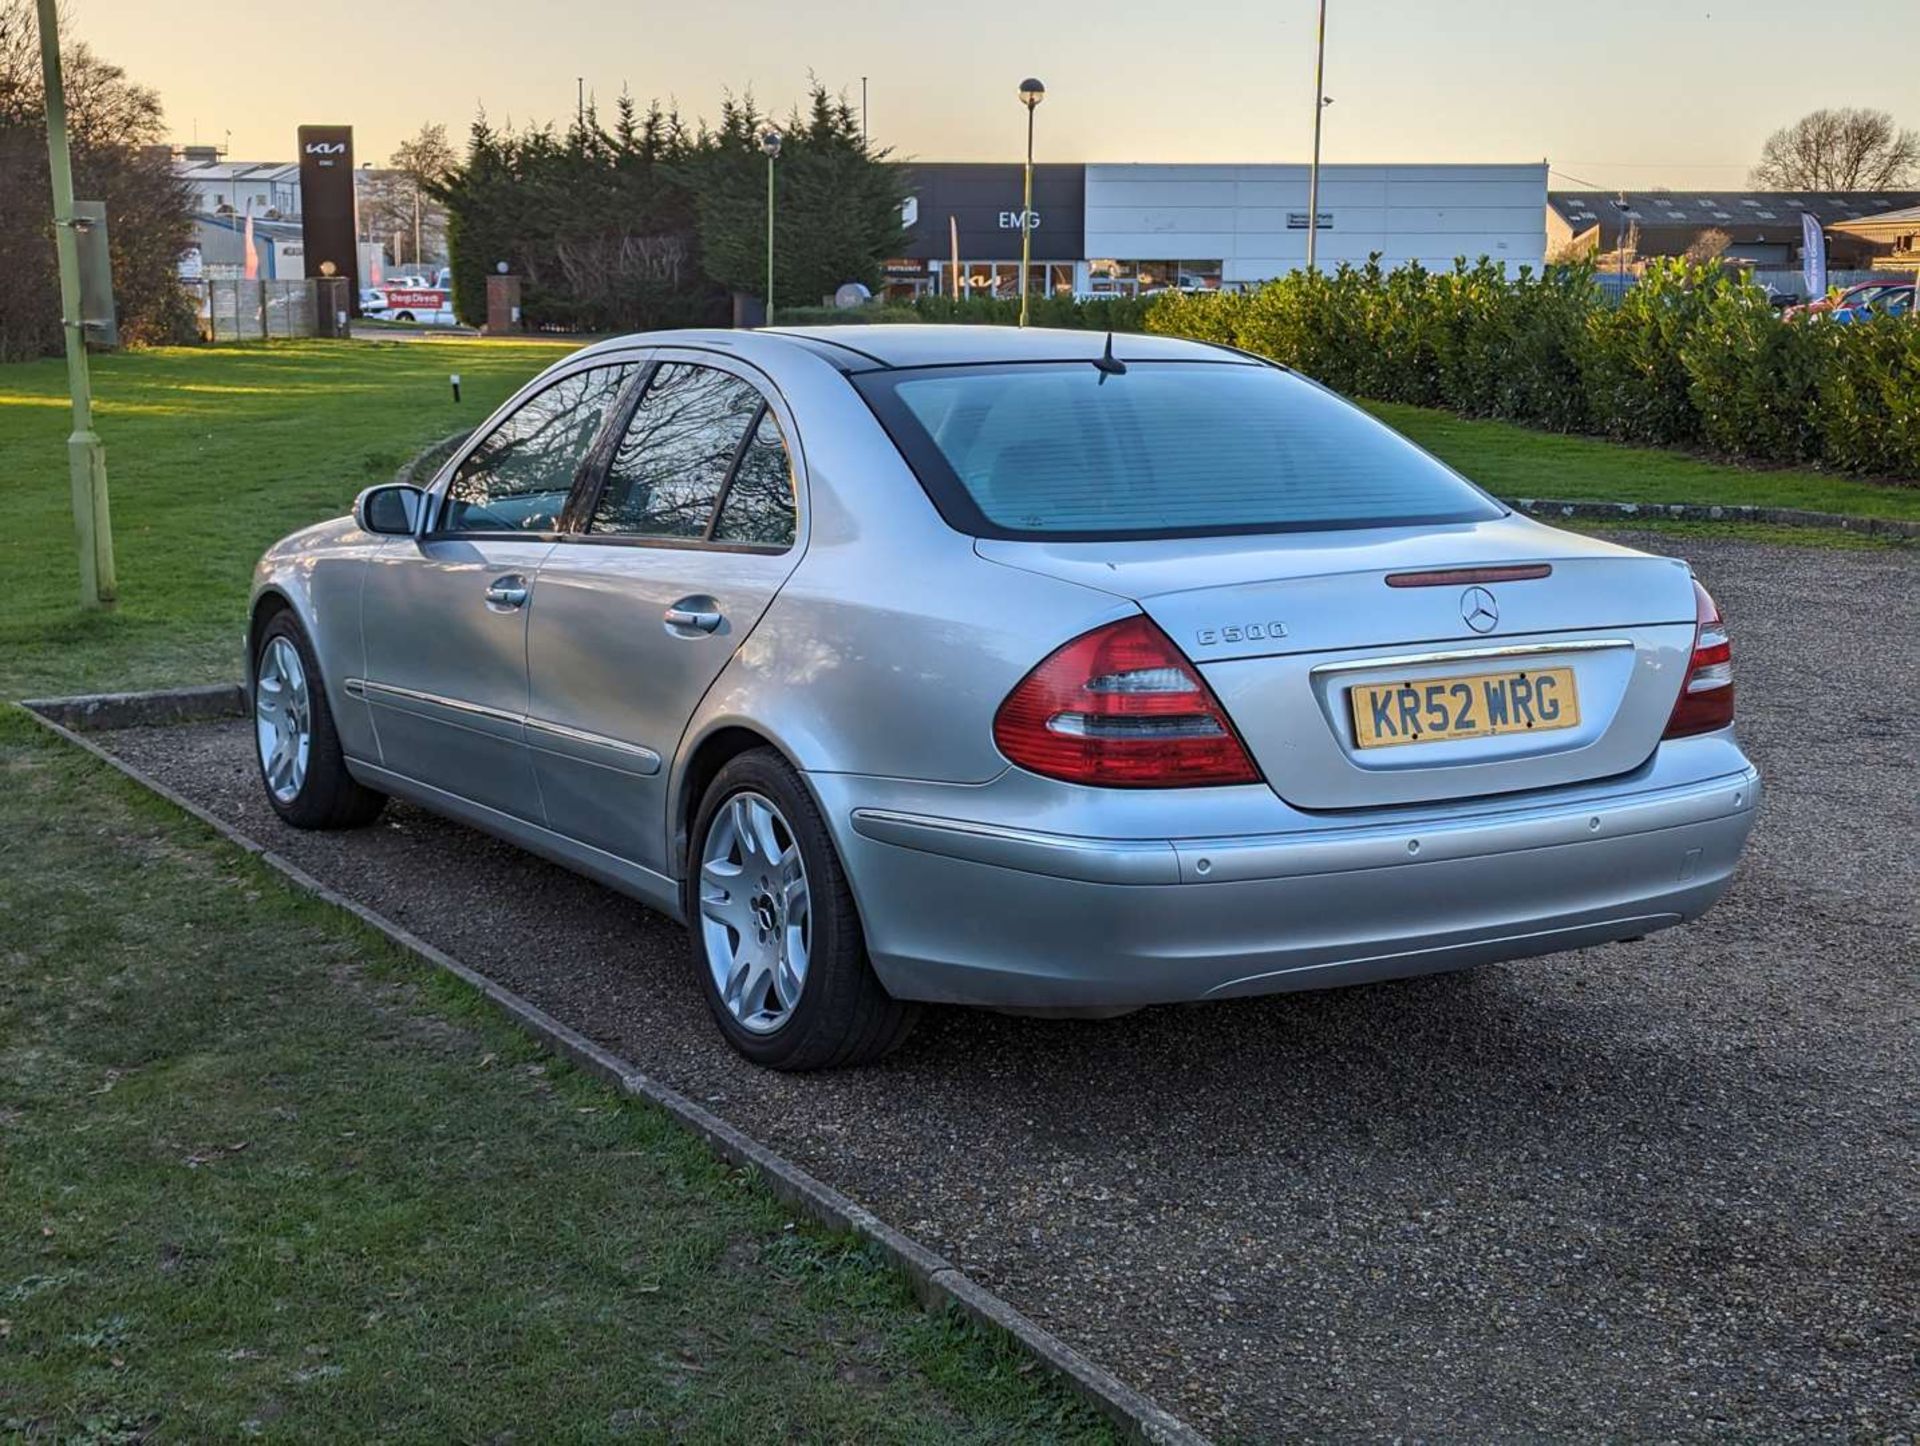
517,480
701,459
1167,449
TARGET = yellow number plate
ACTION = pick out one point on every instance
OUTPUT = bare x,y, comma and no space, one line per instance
1534,700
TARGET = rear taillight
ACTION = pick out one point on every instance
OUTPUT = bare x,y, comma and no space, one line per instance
1706,698
1121,707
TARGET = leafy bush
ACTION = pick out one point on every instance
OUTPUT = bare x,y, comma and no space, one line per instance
1692,354
1637,386
1754,379
1118,314
1868,413
110,121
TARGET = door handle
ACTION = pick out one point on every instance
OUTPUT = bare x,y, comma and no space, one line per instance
506,593
693,615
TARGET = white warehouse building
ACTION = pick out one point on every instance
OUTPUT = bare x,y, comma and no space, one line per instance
1121,229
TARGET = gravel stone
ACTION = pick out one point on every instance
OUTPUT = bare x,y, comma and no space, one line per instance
1655,1190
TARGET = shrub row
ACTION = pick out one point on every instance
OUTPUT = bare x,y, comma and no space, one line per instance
1119,314
1692,355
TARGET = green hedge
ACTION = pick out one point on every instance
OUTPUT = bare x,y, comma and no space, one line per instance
1690,355
1119,314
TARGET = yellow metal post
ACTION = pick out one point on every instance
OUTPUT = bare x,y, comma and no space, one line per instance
86,457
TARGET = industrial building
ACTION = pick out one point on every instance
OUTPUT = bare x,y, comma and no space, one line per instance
1763,228
1127,229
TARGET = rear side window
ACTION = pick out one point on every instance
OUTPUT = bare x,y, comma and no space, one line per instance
518,478
759,504
678,451
1167,449
702,460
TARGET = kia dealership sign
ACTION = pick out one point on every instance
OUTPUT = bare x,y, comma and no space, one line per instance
329,224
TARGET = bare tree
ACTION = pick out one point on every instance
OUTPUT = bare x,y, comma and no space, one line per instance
116,130
1839,150
419,164
1707,245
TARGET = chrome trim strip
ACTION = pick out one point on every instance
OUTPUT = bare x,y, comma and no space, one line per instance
1468,655
641,760
656,891
375,691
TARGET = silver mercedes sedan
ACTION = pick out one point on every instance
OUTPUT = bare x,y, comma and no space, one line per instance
1044,671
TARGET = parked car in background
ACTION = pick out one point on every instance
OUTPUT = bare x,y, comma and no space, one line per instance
422,299
430,306
1887,301
1038,670
1860,294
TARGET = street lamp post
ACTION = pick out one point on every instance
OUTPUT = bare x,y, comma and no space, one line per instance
86,458
1032,92
770,146
1319,107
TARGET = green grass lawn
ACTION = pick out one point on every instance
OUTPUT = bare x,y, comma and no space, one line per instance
263,1174
214,452
1512,461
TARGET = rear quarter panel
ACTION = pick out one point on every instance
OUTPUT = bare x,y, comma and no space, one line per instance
892,643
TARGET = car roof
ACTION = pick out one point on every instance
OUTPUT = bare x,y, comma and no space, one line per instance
872,348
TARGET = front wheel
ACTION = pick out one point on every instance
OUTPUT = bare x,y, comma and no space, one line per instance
777,943
301,763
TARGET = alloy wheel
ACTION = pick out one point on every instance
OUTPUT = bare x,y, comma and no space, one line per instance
282,719
756,917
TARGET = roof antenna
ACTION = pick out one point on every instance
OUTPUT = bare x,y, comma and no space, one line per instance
1107,364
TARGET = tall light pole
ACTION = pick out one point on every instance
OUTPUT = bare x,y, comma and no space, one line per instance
1319,106
1032,92
770,146
86,458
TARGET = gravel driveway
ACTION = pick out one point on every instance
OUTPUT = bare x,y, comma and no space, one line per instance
1656,1190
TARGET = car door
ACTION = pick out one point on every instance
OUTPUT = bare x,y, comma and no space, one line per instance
669,563
444,614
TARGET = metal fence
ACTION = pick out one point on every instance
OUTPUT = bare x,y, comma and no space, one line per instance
236,310
1776,281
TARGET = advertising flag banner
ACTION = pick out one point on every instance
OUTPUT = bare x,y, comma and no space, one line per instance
1814,255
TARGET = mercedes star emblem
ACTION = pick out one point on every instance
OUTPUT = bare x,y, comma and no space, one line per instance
1479,609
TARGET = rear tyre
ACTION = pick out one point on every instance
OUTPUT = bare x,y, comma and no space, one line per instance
777,943
295,744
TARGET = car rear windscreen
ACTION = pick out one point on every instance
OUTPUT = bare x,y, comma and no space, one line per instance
1165,449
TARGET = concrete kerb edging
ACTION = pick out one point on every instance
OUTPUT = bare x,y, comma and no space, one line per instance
1630,512
936,1282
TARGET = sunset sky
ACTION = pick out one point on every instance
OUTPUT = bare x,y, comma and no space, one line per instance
1629,93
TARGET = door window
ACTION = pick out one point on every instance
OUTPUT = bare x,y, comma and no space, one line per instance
518,479
671,467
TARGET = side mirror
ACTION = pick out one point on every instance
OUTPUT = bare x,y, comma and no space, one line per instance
392,510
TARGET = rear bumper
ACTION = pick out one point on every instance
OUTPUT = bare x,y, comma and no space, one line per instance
966,911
